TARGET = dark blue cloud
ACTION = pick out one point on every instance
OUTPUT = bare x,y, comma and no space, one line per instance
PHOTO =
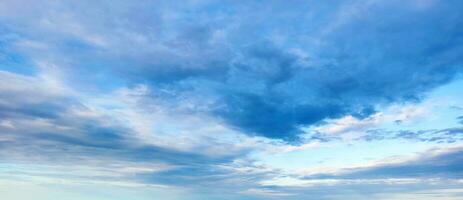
267,69
377,58
256,115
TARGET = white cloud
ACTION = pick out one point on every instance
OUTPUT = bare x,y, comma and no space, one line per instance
392,114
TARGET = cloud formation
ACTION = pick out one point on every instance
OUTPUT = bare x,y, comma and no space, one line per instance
292,76
198,96
54,127
436,163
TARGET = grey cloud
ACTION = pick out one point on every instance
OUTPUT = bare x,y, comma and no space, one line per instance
437,164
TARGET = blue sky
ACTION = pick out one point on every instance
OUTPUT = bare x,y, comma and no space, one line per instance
231,100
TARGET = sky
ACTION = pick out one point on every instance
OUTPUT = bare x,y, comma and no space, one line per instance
231,100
